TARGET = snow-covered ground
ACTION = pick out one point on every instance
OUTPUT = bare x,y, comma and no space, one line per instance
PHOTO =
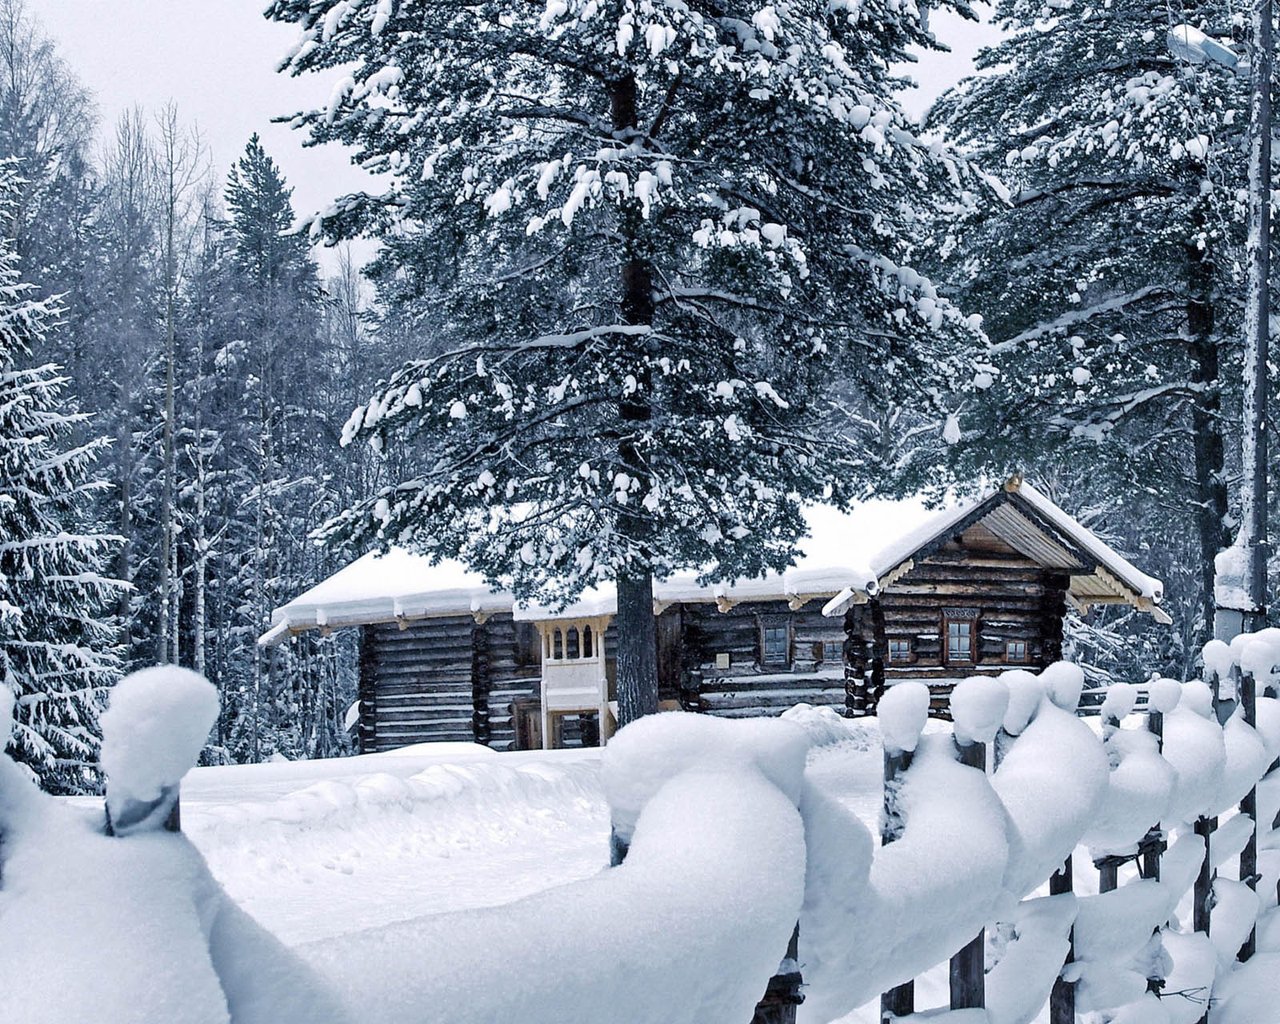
372,888
320,848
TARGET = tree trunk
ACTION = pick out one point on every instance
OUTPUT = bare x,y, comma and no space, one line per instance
637,633
1206,431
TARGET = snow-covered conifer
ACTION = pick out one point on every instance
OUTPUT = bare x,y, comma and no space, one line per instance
57,638
640,244
1111,281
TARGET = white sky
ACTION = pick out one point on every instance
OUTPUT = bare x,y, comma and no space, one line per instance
216,60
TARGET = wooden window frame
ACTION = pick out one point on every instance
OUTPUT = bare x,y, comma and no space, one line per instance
776,622
839,652
908,655
959,616
1008,652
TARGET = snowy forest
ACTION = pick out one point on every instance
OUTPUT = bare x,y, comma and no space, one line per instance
700,537
594,215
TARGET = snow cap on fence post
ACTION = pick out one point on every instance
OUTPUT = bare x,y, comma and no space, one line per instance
154,727
978,707
1197,697
1064,682
1025,694
1258,658
1164,695
903,712
1119,702
1216,655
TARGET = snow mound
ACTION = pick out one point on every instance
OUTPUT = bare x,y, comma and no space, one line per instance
714,876
643,757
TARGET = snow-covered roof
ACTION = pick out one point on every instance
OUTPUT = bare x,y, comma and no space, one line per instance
1026,519
847,557
400,585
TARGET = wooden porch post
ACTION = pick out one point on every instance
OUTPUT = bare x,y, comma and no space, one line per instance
367,694
480,727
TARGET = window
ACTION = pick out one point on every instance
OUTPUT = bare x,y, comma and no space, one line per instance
899,650
571,643
775,644
960,641
586,642
832,652
1016,651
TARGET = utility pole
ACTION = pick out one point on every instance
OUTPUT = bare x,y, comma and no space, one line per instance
1253,506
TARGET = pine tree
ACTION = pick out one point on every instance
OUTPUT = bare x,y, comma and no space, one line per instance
639,243
1111,281
57,637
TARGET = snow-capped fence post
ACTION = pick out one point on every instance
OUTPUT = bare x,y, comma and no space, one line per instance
152,732
1202,894
783,993
966,972
978,707
899,1001
903,710
1153,844
1249,807
1062,997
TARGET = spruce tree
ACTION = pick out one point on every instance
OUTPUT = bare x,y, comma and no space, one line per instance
640,244
1110,282
57,636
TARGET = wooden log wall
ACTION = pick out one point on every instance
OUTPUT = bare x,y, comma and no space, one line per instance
444,679
1014,600
749,687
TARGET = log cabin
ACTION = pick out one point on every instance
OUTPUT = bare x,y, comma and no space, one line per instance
981,587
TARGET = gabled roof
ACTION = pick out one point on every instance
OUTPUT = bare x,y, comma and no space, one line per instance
1032,525
838,564
402,586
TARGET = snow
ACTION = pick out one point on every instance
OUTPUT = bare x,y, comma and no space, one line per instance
6,715
398,584
1195,747
1193,969
1217,659
152,733
1050,783
370,887
1018,985
1164,694
858,933
1064,682
637,939
842,559
642,758
1026,692
1137,796
1246,762
903,712
1119,702
978,707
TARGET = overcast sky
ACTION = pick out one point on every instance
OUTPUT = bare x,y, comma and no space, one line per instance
216,60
